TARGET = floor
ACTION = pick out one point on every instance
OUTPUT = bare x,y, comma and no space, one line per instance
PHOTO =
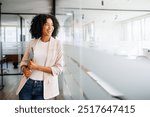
10,85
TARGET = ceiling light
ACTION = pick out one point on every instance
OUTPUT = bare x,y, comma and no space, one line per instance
69,14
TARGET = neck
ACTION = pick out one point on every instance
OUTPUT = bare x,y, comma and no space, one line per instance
45,38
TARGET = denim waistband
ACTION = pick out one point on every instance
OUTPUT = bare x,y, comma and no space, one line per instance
35,81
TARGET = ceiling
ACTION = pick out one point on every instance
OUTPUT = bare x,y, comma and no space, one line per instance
45,6
114,10
26,6
108,4
90,9
23,7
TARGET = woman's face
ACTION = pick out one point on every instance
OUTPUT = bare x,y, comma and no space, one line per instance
48,28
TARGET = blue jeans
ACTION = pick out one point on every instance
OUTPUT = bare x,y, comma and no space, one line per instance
32,90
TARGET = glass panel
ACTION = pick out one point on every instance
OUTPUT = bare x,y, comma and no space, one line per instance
10,34
147,28
12,45
105,43
71,36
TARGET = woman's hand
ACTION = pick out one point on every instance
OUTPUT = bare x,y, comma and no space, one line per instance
27,72
32,65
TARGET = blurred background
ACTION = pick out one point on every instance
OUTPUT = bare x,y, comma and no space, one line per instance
106,47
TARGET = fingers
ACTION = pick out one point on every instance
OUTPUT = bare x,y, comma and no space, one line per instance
31,62
28,75
30,65
27,72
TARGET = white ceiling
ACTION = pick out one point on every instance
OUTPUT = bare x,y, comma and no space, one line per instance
93,9
44,6
66,6
108,4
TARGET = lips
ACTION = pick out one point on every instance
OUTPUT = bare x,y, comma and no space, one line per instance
49,31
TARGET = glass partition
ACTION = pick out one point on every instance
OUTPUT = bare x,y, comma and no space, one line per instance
71,36
105,43
13,32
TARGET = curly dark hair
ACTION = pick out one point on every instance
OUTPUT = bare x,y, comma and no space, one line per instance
38,22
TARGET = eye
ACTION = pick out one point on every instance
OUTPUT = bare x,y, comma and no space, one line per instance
50,25
46,24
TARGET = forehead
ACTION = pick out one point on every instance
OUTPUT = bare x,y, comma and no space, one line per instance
49,20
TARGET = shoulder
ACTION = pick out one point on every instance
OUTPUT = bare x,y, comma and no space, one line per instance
33,42
57,42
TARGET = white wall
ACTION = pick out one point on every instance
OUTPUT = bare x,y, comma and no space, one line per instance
108,34
130,77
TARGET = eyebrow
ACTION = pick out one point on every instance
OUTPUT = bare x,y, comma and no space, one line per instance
50,24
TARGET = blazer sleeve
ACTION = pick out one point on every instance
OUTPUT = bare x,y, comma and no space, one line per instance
58,67
25,58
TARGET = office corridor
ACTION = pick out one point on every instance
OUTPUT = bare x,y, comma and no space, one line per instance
106,47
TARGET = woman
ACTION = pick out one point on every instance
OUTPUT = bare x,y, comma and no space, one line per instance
40,75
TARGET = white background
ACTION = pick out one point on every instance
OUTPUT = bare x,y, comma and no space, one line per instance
7,108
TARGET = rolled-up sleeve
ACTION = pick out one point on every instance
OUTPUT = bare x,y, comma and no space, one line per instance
58,67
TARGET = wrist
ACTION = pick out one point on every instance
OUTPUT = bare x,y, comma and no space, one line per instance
38,68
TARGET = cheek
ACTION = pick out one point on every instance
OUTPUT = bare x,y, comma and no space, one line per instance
52,29
44,30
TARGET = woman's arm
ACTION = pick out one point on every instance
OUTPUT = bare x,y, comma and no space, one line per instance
56,69
34,66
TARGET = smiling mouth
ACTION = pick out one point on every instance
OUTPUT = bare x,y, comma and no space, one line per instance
49,31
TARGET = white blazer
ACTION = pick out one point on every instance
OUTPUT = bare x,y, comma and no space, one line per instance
54,60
